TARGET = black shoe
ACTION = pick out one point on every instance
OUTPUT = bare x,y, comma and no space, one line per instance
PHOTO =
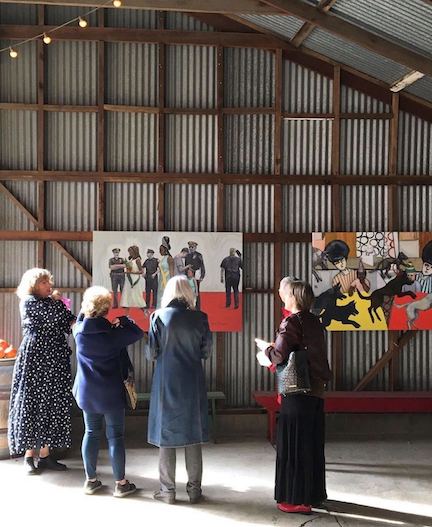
236,307
195,498
90,487
121,491
29,466
49,463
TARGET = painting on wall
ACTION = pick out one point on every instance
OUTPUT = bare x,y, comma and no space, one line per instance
136,266
372,280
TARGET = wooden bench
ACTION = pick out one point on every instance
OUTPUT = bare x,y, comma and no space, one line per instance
212,398
353,402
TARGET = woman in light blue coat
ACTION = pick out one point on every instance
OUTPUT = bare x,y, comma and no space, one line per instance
179,338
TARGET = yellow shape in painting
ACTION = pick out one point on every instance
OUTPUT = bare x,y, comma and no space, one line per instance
362,318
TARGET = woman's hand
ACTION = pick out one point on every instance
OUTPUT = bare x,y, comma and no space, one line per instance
115,323
56,295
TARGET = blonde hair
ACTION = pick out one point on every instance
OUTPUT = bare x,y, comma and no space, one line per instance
301,291
96,302
178,288
30,280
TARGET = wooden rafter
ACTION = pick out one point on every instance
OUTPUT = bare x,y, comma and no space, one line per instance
353,33
40,235
307,27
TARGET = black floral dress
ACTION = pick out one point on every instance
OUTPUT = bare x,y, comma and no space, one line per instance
41,399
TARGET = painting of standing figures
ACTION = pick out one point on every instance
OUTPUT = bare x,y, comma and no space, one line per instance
373,280
136,266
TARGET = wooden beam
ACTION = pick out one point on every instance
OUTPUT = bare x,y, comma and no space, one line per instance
4,190
72,260
406,80
101,126
353,33
308,27
196,6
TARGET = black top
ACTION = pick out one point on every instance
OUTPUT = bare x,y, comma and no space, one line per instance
232,264
151,265
116,261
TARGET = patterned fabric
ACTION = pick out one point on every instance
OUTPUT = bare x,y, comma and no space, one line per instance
345,280
425,282
41,396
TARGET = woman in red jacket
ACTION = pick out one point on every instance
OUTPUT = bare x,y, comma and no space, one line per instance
300,462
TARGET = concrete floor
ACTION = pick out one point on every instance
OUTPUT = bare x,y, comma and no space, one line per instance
375,483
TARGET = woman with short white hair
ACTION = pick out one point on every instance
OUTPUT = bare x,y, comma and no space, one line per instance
102,364
179,338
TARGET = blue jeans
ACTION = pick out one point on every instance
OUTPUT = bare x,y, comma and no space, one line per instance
114,430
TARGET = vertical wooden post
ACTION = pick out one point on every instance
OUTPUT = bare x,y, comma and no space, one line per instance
277,199
393,220
40,138
336,336
101,125
161,127
220,337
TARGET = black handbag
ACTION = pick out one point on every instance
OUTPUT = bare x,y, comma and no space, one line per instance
293,375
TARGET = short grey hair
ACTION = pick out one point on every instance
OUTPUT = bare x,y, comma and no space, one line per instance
286,281
96,302
178,288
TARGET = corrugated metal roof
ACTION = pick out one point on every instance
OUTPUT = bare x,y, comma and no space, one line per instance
284,25
15,258
364,208
415,202
414,145
182,22
190,207
249,208
18,144
71,205
131,18
408,22
421,88
354,101
18,13
131,206
18,77
11,217
355,56
306,208
255,274
59,14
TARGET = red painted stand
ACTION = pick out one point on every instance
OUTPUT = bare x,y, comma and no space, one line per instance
354,402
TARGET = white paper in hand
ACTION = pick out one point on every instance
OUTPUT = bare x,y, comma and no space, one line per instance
262,344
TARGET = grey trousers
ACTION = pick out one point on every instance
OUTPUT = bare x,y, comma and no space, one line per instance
167,469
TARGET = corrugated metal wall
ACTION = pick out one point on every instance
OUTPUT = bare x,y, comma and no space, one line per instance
131,141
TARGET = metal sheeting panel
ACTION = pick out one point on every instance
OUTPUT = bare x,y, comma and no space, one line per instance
364,208
131,73
297,260
131,142
71,72
286,26
182,22
355,101
18,139
10,324
65,274
11,218
361,350
15,258
70,141
415,208
364,146
190,207
354,55
190,76
18,14
305,90
414,145
249,144
191,143
131,18
415,364
82,252
243,374
249,77
249,208
131,206
398,20
56,15
306,146
71,206
306,208
422,88
258,265
18,77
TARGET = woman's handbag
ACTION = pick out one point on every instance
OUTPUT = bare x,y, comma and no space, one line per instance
131,395
293,376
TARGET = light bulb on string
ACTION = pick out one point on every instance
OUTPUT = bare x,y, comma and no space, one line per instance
117,3
82,22
47,39
13,53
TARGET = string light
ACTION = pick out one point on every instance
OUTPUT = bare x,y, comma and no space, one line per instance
47,39
117,3
13,53
82,22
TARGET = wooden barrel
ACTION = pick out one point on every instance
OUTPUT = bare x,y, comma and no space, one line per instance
6,370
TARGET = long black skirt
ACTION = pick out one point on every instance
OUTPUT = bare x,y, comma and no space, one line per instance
300,461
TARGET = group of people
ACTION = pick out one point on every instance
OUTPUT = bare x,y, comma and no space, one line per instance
179,339
131,277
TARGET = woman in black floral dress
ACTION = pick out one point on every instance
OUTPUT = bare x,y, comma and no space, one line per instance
39,414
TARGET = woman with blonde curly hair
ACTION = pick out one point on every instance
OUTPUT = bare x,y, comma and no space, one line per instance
39,414
102,366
